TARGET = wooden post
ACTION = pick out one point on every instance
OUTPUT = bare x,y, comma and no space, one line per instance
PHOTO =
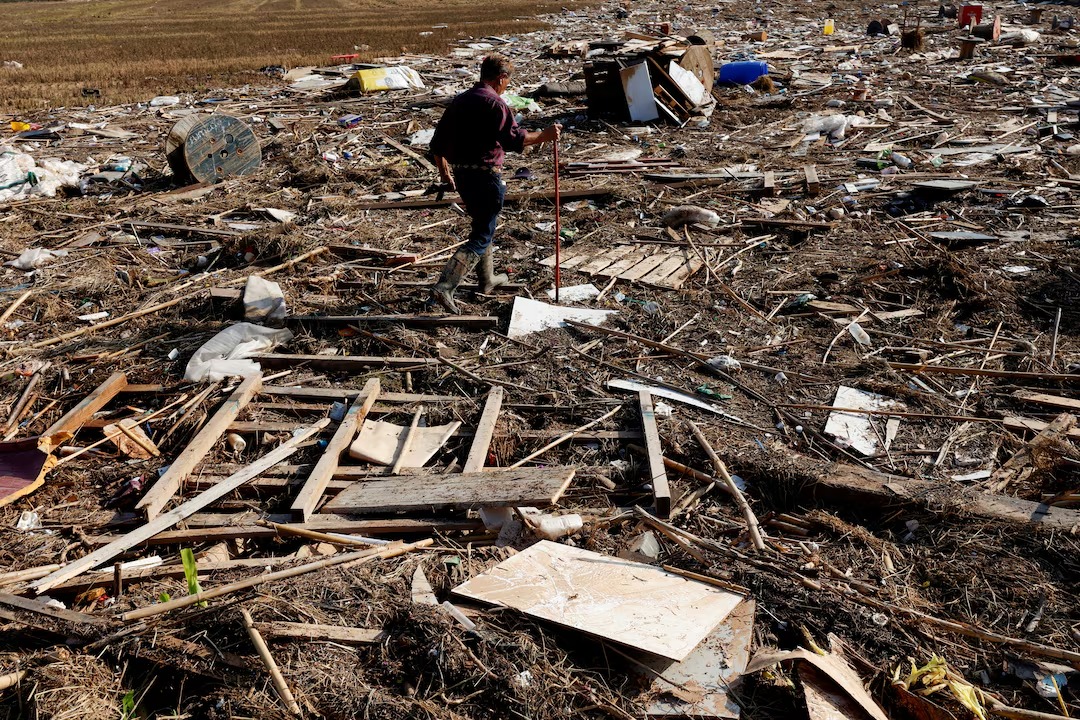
163,490
174,516
813,187
657,472
323,472
271,666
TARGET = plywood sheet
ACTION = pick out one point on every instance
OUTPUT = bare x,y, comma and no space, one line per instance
380,442
710,672
466,491
637,605
529,316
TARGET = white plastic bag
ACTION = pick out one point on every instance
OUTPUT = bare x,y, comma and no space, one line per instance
263,300
224,354
33,258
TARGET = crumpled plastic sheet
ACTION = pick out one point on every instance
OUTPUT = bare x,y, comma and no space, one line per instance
225,354
23,176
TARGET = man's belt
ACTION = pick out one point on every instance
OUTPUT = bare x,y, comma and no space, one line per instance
489,168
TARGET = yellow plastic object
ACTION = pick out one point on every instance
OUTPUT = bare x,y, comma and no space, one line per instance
829,27
388,78
19,126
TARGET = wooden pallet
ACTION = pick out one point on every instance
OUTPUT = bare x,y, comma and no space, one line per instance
660,267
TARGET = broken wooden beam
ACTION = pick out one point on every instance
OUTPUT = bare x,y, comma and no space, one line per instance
1031,458
162,491
174,516
857,487
983,372
657,473
355,363
474,322
340,393
64,428
813,186
311,494
540,487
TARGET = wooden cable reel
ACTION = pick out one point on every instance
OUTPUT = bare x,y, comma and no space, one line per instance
209,148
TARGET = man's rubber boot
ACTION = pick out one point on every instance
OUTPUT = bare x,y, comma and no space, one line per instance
486,276
443,292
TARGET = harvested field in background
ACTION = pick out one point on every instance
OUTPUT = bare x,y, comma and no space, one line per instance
132,50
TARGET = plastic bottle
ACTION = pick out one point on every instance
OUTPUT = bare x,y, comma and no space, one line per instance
858,333
829,27
900,160
550,527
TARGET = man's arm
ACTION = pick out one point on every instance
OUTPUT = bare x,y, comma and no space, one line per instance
548,134
444,172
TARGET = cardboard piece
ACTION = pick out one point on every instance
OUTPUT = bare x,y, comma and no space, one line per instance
835,674
629,603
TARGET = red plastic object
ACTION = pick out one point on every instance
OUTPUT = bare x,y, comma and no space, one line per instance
970,14
346,58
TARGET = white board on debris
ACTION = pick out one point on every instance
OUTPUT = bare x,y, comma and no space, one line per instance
857,429
530,316
630,603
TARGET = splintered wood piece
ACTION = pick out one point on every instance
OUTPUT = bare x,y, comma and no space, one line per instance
1054,401
174,516
1026,462
485,430
315,485
131,439
768,186
475,322
538,487
166,486
386,443
65,427
330,633
657,472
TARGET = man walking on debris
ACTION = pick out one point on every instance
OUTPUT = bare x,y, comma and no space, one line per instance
469,145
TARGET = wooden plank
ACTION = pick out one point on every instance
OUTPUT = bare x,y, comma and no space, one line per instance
355,363
1054,401
174,516
270,485
424,162
249,427
40,608
73,419
644,267
632,259
768,186
200,446
1020,424
538,487
813,186
605,259
574,260
659,274
340,393
676,279
475,322
853,486
478,452
391,526
218,232
330,633
136,575
657,473
310,495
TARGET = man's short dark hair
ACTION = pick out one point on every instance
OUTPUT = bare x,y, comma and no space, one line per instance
495,65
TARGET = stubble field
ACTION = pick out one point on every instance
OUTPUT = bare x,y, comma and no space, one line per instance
131,50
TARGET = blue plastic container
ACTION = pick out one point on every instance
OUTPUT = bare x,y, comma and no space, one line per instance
742,73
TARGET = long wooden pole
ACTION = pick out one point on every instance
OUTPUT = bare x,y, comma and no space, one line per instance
363,556
740,500
278,679
558,221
